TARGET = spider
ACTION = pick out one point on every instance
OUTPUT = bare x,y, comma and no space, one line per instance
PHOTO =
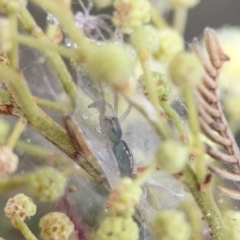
92,25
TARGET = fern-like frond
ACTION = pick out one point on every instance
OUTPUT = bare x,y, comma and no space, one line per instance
211,117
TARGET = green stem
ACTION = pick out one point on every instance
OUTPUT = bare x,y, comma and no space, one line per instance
17,131
28,24
14,55
16,85
65,17
207,205
180,19
11,183
157,19
174,116
198,149
22,227
7,102
145,174
44,46
145,67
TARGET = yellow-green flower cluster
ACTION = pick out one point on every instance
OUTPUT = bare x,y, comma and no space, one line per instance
117,228
171,43
124,197
12,5
8,161
102,3
130,14
55,226
20,204
170,225
163,86
47,184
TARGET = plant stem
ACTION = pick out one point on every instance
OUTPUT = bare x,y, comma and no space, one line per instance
28,24
158,19
180,19
14,55
198,149
22,227
176,120
65,17
141,178
16,85
17,131
206,203
45,46
6,101
11,183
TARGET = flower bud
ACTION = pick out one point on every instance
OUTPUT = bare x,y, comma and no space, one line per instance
130,14
55,226
117,228
172,156
171,43
111,63
171,224
232,221
183,3
5,36
163,86
20,204
124,197
185,70
12,5
150,36
8,161
47,184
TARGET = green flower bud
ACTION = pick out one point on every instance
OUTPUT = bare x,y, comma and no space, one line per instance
170,225
172,156
12,5
130,14
171,43
55,226
117,228
163,86
8,161
150,36
232,221
20,204
111,63
185,69
47,184
183,3
5,36
124,197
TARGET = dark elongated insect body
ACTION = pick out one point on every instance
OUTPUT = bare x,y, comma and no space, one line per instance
120,148
124,158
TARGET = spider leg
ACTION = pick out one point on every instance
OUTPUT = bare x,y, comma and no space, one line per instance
125,114
102,24
115,97
83,6
90,6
